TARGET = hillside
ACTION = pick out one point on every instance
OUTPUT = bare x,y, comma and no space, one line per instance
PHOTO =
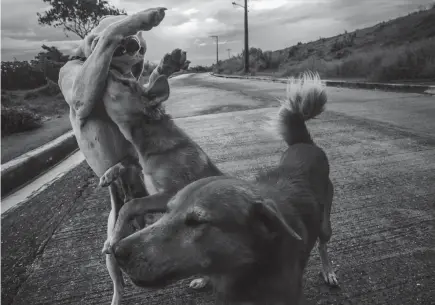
399,49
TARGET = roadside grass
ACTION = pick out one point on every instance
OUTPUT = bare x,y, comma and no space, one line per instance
414,61
394,50
411,62
23,110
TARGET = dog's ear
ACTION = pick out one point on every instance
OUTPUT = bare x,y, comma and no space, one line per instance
158,91
137,70
269,215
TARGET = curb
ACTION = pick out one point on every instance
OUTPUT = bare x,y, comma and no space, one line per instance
411,88
24,168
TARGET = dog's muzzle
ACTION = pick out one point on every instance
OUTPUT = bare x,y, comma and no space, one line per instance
130,46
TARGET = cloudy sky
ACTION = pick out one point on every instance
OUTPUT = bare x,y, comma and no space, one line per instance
273,24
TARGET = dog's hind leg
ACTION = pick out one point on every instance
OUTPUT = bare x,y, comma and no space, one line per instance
111,264
127,173
328,273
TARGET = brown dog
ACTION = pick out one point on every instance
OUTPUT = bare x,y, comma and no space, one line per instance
114,50
170,159
253,239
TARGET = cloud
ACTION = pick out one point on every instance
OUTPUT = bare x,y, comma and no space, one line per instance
273,24
267,5
190,11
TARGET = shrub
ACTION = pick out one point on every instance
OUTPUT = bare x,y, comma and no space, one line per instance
50,89
414,61
292,51
346,40
231,65
16,75
18,119
272,59
342,54
200,68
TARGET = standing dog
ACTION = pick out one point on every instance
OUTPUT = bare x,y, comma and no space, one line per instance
113,52
253,239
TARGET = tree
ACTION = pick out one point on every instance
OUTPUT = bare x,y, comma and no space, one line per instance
49,62
51,53
77,16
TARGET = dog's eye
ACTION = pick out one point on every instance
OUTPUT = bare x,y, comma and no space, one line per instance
142,51
119,51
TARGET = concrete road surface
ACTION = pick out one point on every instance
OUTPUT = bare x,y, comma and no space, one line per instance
382,152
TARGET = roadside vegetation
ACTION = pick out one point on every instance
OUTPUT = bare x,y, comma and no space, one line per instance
30,94
399,49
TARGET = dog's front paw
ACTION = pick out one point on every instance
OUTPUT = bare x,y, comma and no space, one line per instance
198,283
154,16
174,62
107,248
330,278
149,18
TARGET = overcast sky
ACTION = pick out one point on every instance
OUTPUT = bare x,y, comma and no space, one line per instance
273,24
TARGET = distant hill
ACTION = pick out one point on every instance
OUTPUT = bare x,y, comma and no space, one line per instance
399,49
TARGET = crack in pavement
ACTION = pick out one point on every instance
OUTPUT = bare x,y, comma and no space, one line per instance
36,255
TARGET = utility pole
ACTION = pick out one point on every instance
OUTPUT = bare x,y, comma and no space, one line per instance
246,35
217,49
229,54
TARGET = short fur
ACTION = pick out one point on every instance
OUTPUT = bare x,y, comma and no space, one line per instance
83,83
253,239
170,159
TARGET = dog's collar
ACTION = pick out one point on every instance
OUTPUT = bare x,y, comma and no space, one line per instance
81,58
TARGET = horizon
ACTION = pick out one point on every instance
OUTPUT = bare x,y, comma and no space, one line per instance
189,25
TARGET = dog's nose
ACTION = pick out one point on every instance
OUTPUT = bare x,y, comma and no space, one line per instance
121,252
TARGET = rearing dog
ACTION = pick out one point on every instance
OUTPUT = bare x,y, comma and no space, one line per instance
170,159
113,53
253,239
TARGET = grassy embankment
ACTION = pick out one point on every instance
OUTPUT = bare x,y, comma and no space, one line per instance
397,50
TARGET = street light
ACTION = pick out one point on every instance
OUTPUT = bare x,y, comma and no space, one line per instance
246,34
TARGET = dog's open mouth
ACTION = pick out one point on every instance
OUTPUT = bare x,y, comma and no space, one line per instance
130,46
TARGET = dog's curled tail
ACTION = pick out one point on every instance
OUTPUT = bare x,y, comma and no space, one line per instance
306,99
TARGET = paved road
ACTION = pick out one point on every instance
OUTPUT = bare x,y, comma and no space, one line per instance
382,152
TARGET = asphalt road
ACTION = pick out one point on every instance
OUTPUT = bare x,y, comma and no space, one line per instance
382,152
